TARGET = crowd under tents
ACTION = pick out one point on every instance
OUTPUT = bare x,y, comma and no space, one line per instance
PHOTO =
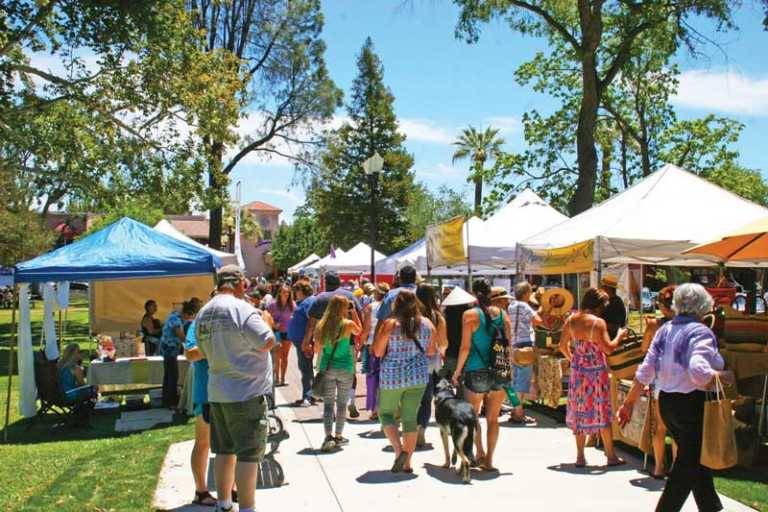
167,228
652,222
125,264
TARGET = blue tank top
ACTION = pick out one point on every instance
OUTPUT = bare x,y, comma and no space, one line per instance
480,351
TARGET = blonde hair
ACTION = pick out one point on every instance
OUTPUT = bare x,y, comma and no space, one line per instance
333,318
68,357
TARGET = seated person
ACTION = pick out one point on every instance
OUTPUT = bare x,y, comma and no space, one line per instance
151,328
72,376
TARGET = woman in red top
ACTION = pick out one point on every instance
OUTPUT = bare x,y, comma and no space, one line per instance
282,311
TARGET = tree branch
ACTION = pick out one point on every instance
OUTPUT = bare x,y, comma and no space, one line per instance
623,54
41,14
551,21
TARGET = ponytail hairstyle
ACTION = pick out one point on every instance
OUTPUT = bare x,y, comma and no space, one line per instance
335,313
428,298
406,311
482,291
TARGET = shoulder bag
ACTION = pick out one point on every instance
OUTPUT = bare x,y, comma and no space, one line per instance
318,383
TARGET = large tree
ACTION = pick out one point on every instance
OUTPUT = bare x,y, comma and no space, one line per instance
479,147
278,55
94,93
600,37
295,241
340,189
426,207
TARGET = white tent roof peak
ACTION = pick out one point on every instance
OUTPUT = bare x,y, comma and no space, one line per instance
169,229
312,258
357,259
327,259
657,217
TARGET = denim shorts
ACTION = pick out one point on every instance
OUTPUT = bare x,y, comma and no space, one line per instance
521,380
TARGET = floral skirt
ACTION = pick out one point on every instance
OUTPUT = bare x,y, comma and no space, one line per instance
589,394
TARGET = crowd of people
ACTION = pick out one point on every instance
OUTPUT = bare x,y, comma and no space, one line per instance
408,337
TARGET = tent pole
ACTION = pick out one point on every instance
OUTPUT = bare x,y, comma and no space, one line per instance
469,261
642,283
10,366
60,340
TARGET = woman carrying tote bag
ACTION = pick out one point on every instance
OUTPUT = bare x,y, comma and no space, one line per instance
683,363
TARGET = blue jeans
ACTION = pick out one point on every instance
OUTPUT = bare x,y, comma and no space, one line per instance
425,409
307,372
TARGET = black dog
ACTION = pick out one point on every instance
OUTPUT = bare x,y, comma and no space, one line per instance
457,418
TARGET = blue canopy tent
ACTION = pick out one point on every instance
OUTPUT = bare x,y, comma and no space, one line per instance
125,263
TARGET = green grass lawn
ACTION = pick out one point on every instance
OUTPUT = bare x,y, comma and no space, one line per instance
68,469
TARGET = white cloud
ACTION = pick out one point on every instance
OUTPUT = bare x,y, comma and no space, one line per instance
288,195
506,125
727,91
424,130
441,171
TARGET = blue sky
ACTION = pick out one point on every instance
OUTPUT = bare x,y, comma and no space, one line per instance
441,85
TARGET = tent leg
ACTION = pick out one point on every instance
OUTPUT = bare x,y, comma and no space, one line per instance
10,370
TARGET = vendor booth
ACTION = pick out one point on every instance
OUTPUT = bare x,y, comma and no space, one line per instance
140,262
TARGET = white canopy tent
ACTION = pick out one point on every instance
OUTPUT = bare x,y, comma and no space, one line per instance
319,264
415,254
312,258
653,221
357,259
527,214
167,228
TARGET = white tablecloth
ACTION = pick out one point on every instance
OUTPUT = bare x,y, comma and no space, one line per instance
133,371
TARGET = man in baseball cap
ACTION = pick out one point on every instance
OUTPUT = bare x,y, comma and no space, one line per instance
236,341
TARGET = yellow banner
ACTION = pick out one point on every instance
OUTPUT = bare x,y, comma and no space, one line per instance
561,260
445,243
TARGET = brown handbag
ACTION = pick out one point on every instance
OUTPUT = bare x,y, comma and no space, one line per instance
718,441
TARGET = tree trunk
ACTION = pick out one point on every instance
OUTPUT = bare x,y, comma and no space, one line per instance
644,145
591,32
215,182
605,169
478,196
624,170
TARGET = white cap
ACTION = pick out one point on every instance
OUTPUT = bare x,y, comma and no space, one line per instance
458,297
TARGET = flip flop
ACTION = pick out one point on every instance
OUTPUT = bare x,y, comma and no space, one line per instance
658,477
617,462
582,464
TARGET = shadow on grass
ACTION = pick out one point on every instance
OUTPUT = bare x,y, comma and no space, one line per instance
53,428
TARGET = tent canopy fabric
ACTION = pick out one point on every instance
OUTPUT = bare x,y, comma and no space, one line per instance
526,215
747,243
337,253
169,229
654,221
415,254
357,259
312,258
125,249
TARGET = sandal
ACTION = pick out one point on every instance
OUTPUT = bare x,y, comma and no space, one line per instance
616,462
581,463
397,467
204,499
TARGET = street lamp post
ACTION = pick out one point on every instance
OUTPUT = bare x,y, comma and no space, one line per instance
372,168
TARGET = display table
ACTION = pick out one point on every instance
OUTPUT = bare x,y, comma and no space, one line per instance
750,366
132,372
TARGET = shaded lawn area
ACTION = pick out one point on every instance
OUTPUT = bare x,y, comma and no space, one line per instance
75,469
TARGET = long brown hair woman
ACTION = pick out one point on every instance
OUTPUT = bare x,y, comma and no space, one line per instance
337,360
282,309
404,342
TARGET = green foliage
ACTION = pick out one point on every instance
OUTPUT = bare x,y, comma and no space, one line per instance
126,114
294,242
478,147
747,183
24,234
426,208
340,190
249,226
278,55
591,44
140,209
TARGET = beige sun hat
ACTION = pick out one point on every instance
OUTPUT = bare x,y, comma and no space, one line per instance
459,297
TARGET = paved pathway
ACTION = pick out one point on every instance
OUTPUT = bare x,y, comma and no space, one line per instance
537,473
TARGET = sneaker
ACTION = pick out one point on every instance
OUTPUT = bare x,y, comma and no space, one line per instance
353,412
329,444
341,440
313,400
302,403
